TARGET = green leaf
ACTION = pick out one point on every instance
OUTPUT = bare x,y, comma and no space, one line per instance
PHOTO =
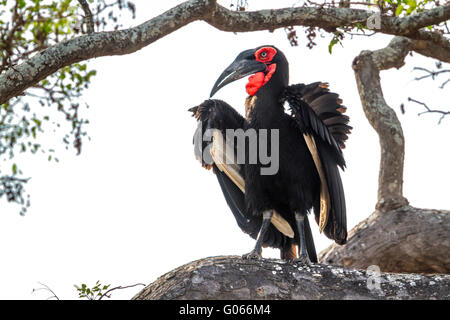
412,6
399,10
21,3
37,121
14,168
332,43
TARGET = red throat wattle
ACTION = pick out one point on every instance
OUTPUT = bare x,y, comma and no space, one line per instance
256,81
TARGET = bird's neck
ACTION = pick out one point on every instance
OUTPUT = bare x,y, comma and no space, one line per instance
263,109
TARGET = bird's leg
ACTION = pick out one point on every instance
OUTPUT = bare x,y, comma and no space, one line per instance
256,252
303,252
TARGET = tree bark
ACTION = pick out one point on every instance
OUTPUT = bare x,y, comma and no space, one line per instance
406,239
383,119
235,278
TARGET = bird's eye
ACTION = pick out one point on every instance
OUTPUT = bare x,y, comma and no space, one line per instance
265,54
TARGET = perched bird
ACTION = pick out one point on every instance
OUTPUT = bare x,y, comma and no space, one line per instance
307,140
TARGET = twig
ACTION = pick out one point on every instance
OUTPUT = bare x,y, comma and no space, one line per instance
428,110
117,288
431,74
88,16
9,179
361,34
444,83
48,289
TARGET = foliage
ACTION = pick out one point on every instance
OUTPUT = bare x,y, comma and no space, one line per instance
100,291
28,27
94,293
97,292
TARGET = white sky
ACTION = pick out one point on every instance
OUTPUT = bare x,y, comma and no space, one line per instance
136,204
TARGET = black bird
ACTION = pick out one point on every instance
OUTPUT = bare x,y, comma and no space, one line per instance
273,208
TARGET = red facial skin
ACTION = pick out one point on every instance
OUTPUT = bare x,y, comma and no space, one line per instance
256,81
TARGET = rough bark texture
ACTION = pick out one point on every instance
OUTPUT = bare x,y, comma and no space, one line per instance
403,240
383,119
17,79
235,278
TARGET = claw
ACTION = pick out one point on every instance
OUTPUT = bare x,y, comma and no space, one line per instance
252,255
303,259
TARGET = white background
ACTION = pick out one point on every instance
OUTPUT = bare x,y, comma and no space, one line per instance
136,204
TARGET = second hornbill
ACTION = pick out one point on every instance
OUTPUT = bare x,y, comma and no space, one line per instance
273,208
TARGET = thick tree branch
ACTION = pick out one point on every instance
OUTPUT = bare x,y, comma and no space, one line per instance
326,18
407,239
234,278
367,67
15,80
383,119
432,44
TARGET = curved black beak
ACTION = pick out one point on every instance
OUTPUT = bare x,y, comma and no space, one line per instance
237,70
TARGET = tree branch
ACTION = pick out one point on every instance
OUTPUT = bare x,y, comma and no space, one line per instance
14,81
107,294
428,110
407,239
233,278
383,119
432,44
431,74
326,18
87,16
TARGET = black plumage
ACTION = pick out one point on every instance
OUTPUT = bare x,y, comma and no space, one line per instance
310,139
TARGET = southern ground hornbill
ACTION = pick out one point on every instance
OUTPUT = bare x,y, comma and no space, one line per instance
272,208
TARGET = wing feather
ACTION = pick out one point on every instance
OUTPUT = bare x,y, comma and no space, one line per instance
225,160
318,114
218,116
324,194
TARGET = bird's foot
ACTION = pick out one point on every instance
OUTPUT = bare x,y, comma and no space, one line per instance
302,259
252,255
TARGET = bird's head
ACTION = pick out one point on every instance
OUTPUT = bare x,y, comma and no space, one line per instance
267,66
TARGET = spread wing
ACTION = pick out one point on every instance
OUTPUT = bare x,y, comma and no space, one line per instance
320,119
210,147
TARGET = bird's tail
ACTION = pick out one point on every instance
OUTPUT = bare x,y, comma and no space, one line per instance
310,241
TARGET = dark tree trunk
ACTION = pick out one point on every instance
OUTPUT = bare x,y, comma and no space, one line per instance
235,278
